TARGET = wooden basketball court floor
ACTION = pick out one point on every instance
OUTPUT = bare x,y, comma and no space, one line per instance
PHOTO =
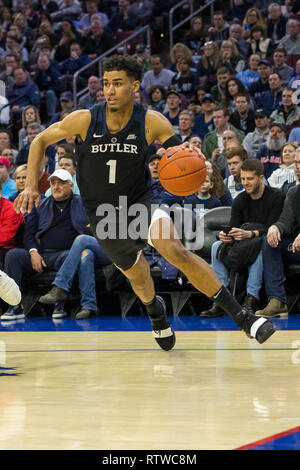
104,384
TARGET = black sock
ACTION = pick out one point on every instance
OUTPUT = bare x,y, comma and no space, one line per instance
225,300
157,313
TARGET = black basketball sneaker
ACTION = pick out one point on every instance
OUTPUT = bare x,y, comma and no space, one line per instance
161,329
259,328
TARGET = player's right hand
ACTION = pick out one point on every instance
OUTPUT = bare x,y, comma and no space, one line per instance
26,200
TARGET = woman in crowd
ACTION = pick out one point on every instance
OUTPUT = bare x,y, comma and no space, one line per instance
285,173
30,114
230,57
208,64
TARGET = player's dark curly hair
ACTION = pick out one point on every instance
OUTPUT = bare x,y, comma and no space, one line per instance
124,62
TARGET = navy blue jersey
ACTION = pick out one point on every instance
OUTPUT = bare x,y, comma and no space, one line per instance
113,165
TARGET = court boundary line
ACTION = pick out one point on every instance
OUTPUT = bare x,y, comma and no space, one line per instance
265,440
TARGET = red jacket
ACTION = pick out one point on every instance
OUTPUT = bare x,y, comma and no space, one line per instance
10,221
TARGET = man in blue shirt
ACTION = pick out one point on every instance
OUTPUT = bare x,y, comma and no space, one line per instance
8,185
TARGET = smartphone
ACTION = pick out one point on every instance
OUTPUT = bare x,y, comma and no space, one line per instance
248,27
226,228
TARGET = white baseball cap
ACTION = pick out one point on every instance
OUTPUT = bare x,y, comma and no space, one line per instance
61,174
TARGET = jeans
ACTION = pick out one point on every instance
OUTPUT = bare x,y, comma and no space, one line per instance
85,254
255,272
18,261
273,260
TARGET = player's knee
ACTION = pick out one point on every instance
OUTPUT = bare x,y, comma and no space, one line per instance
175,252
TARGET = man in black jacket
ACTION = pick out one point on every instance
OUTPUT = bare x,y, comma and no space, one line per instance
280,246
260,205
243,117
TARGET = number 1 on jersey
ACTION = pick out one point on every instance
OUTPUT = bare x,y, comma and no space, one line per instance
112,171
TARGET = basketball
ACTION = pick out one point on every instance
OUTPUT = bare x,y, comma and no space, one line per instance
181,172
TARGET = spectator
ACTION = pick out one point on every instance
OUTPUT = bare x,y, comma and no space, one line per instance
142,10
195,104
285,173
272,99
230,57
22,93
75,61
29,114
66,105
6,182
287,186
236,36
89,100
70,9
20,180
269,154
243,117
253,141
209,64
289,113
97,40
237,11
6,76
174,107
8,153
10,222
204,122
219,189
67,162
64,217
158,75
92,11
294,135
291,42
232,88
213,139
252,19
186,124
260,43
204,200
280,66
48,79
257,206
262,84
219,30
142,56
276,23
157,95
185,80
284,233
84,256
295,79
194,39
153,162
6,142
123,20
218,90
250,75
235,158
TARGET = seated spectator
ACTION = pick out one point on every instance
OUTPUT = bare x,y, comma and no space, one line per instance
6,143
237,11
158,75
33,129
10,62
195,104
179,51
236,36
6,182
24,92
208,64
285,173
49,80
233,88
218,89
84,23
173,102
97,41
253,141
75,61
231,58
295,78
142,10
10,222
204,200
272,99
185,81
84,256
219,189
289,113
260,43
66,106
20,179
243,117
204,122
269,154
70,9
123,19
64,217
281,246
29,114
9,154
257,206
218,156
89,100
157,95
213,139
219,30
250,75
62,48
286,186
67,162
235,158
252,19
186,124
291,41
195,37
280,66
12,46
262,84
276,23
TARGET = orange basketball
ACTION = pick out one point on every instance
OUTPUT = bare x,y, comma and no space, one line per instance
181,172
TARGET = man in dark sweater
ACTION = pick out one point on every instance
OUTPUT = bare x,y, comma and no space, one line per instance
281,246
50,230
258,204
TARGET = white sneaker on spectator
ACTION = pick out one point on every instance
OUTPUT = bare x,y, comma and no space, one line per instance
9,290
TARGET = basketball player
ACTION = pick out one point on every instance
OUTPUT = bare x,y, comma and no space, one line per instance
111,141
9,290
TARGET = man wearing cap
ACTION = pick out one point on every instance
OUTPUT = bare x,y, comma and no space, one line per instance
204,122
262,84
174,107
50,230
253,141
8,185
269,154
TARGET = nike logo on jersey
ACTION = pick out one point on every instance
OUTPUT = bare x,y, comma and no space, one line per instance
97,136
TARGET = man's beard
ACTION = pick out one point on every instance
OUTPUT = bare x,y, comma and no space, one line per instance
275,144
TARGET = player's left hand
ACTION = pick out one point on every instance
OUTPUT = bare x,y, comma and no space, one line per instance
188,145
